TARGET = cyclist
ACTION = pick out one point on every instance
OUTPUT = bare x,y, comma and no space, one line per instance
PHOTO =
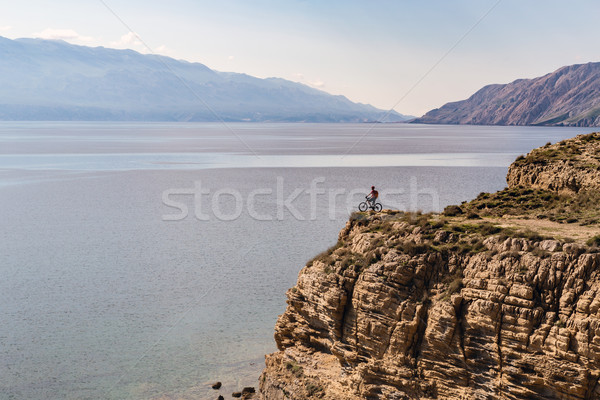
372,197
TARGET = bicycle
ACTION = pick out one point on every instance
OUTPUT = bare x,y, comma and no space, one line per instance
368,204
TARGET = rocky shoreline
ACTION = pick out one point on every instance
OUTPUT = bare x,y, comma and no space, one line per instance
495,298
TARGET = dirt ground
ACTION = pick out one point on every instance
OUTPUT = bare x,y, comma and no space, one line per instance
559,231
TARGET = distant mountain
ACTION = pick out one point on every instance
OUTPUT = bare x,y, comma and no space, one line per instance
54,80
569,96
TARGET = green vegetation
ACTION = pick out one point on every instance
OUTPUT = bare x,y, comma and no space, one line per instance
595,241
460,230
452,211
294,368
455,286
579,208
567,150
326,256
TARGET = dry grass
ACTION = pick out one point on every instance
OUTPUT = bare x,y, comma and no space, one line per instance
581,208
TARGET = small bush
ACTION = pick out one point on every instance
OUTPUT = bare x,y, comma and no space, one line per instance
595,241
455,286
458,228
411,248
326,256
452,211
436,224
489,229
294,368
473,215
346,262
531,235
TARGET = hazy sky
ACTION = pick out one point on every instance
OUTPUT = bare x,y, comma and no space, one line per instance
410,55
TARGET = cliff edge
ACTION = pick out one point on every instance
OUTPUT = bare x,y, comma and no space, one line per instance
495,298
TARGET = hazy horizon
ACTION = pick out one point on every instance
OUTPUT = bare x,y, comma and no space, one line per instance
412,57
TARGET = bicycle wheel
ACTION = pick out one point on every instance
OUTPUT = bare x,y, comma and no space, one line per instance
377,207
363,206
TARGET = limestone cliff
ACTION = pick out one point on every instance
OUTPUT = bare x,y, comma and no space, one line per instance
458,305
570,166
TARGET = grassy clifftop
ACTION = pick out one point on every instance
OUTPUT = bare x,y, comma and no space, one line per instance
553,185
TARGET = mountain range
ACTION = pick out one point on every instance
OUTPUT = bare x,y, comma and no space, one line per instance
569,96
55,80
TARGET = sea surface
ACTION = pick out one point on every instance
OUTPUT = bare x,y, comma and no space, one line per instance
142,261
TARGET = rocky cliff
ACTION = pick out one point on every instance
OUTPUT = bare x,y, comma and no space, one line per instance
568,96
491,299
568,166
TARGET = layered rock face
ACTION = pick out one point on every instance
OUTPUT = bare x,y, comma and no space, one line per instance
411,306
568,166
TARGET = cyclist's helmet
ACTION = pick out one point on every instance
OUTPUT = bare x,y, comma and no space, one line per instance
372,187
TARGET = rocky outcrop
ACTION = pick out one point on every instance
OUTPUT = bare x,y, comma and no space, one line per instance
569,96
514,320
410,306
569,166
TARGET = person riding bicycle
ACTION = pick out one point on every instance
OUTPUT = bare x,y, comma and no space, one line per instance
372,197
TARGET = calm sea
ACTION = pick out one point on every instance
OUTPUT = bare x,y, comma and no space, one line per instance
144,261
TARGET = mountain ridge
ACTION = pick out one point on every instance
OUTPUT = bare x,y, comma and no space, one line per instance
54,80
569,96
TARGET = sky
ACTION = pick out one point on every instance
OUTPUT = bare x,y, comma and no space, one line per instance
409,55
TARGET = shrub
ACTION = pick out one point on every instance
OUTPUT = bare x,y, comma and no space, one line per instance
455,286
436,224
531,235
326,256
473,215
294,367
346,262
595,241
452,211
411,248
489,229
